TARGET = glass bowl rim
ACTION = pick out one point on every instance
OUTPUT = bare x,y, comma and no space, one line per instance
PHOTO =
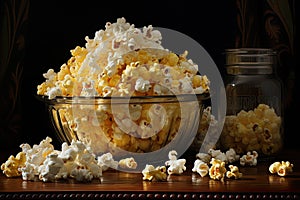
123,99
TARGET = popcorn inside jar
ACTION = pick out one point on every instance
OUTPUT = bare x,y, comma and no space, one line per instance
256,130
124,92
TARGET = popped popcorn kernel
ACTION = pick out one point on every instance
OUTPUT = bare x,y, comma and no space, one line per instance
217,170
249,159
200,167
282,168
152,173
11,167
128,163
176,166
234,172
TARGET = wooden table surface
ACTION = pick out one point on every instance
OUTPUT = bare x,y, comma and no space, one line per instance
256,183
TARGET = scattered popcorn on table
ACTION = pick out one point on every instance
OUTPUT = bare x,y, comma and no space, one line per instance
281,168
106,161
249,159
200,167
11,166
128,163
47,164
176,166
151,173
205,157
234,172
217,171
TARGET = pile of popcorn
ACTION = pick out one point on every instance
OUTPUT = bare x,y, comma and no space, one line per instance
76,161
123,61
258,129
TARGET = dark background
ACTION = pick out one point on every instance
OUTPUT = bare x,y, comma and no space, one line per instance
48,30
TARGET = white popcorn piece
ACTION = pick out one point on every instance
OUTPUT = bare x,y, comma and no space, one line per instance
200,167
281,168
87,164
152,173
249,159
106,161
81,174
205,157
28,173
232,156
37,154
217,171
234,172
142,85
217,154
128,163
176,166
50,168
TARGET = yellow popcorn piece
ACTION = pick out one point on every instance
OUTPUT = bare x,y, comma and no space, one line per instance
281,168
217,171
11,166
128,163
151,173
234,172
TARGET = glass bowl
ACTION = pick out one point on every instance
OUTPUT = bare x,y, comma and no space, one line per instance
143,127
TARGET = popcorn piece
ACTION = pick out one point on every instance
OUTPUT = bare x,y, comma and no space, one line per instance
249,159
36,155
27,171
151,173
217,171
282,169
217,154
128,163
81,174
205,157
201,167
11,166
85,164
234,172
232,156
176,166
106,161
50,168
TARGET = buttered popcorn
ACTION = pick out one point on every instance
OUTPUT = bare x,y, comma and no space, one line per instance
125,61
117,62
257,129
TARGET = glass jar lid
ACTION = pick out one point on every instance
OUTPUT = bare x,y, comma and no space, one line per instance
250,61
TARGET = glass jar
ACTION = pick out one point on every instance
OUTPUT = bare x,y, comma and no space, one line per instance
254,116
